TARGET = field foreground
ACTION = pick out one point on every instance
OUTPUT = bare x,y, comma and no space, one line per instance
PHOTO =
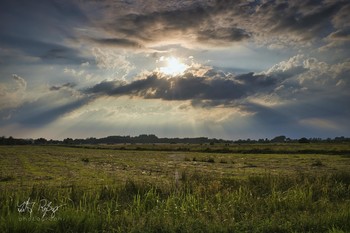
287,188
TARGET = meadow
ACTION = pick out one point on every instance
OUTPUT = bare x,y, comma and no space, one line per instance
176,188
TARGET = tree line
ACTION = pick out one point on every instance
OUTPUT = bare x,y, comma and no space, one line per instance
151,138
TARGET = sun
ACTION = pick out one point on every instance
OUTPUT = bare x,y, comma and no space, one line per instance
173,66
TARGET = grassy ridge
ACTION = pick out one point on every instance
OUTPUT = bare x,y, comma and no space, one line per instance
143,191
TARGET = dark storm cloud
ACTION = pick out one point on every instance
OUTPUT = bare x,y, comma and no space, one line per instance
188,87
222,21
298,78
134,24
310,24
105,87
195,21
260,81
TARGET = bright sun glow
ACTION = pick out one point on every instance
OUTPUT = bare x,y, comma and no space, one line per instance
173,66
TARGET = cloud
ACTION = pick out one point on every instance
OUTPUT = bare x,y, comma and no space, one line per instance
222,35
284,97
39,106
22,84
59,87
288,79
296,94
60,53
281,88
105,87
326,77
136,25
310,23
42,29
342,18
340,35
73,72
113,41
338,42
111,60
46,107
47,52
117,42
12,95
33,19
214,87
220,22
188,21
291,64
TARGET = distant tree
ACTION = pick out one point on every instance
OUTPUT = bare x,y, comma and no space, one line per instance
90,140
40,141
68,141
54,141
339,139
11,141
279,139
303,140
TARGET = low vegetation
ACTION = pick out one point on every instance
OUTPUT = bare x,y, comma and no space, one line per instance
61,189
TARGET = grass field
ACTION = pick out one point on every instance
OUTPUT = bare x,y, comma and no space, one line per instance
175,188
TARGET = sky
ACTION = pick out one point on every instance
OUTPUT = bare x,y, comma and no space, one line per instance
216,68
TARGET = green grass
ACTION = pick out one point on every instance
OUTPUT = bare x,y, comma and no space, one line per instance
108,190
